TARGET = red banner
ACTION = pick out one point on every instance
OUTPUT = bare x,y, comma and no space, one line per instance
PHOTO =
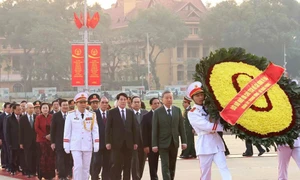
77,65
94,62
250,93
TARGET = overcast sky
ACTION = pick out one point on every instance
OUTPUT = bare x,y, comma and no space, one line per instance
107,3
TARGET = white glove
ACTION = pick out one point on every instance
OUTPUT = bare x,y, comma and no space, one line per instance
67,151
96,148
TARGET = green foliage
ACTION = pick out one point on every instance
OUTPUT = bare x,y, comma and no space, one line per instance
44,30
261,27
165,31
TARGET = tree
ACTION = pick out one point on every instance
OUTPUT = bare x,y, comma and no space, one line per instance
165,30
43,29
261,27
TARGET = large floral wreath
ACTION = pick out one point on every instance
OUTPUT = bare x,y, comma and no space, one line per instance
274,118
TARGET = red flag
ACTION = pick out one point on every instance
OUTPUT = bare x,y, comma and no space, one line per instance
95,20
88,22
78,23
81,18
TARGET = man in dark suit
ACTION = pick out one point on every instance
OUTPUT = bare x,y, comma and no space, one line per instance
167,126
190,151
55,107
13,142
138,156
121,138
63,160
28,140
100,159
4,153
147,139
71,105
249,149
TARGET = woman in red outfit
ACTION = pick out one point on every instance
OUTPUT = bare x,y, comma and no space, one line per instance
46,155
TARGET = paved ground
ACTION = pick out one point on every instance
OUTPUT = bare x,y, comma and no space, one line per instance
241,168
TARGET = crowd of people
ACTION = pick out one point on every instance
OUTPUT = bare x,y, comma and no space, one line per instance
85,138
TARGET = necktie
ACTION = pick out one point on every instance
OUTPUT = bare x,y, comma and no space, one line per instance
103,117
65,115
82,115
31,121
123,116
138,117
169,112
18,118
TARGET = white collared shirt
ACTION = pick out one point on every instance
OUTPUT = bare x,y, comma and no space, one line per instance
29,116
139,111
120,109
102,113
168,108
17,116
66,113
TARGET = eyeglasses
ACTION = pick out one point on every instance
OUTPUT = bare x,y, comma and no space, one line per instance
104,102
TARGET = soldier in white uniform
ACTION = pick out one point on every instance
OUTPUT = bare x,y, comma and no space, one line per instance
285,153
209,147
81,137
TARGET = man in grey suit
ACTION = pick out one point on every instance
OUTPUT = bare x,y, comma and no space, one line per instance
138,156
167,126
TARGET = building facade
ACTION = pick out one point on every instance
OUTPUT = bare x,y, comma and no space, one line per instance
174,66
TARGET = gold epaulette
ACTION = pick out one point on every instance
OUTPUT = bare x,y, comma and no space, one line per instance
192,110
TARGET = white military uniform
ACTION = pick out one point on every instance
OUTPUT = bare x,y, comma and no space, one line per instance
209,146
284,155
80,138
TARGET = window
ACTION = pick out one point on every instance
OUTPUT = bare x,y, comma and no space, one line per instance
18,87
196,31
179,52
180,72
16,63
191,30
193,52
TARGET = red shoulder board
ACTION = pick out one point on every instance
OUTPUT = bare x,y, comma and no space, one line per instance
192,110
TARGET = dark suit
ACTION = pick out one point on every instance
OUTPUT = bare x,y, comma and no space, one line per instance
147,142
166,130
6,148
63,160
52,112
122,136
138,156
4,153
101,159
28,140
249,149
190,151
13,141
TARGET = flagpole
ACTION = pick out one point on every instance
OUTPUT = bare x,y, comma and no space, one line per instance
85,48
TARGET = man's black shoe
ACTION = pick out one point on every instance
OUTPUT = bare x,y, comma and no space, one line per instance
261,153
247,155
